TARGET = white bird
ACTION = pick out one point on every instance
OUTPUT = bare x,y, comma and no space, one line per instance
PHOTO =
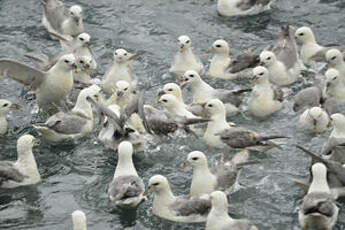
335,86
5,107
223,176
279,74
242,7
314,119
264,99
334,148
85,65
173,106
79,220
311,51
127,188
74,124
318,210
51,87
60,20
121,69
179,209
335,60
24,171
185,59
219,219
203,92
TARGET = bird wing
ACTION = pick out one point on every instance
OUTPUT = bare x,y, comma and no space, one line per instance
67,123
185,206
332,143
230,96
330,105
21,73
310,96
9,173
243,61
56,13
238,137
278,94
318,202
247,4
226,173
124,187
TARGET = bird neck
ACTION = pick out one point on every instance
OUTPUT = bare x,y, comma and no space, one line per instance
201,169
125,166
83,106
200,86
26,158
219,118
80,226
319,184
3,124
338,131
163,198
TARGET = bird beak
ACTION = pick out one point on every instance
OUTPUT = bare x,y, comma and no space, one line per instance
184,165
208,51
314,122
253,79
137,54
262,63
148,191
16,107
159,94
119,93
183,84
37,142
74,66
180,78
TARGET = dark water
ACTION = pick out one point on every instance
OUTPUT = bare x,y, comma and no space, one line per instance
76,177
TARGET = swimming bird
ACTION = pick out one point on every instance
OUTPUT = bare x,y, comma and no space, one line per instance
74,124
123,94
173,106
127,188
121,69
318,210
314,119
223,176
203,92
51,87
224,66
311,51
185,59
5,107
85,65
176,208
220,134
264,98
335,60
60,20
242,7
335,85
23,171
79,220
219,219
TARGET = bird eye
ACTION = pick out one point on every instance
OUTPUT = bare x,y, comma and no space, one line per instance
194,158
210,105
191,75
66,61
334,78
187,41
218,46
125,54
170,90
261,74
115,53
269,58
234,62
125,89
81,39
155,184
81,62
333,58
5,105
165,101
301,34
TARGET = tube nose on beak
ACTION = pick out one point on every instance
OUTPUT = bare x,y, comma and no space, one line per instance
119,93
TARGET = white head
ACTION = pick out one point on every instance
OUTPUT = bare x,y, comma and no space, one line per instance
304,34
79,220
25,144
86,63
6,106
332,77
174,89
92,91
84,38
123,88
220,47
268,58
191,77
334,56
67,62
121,55
315,113
76,12
338,121
219,201
125,149
261,75
319,183
215,107
184,42
158,184
169,101
196,159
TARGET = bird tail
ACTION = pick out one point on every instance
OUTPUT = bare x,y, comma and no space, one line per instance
192,121
266,138
240,91
313,155
242,164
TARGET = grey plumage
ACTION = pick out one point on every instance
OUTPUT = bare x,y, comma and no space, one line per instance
9,173
125,187
310,97
247,4
243,61
186,206
233,97
55,13
318,202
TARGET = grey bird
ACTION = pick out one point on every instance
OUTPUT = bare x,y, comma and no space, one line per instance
51,87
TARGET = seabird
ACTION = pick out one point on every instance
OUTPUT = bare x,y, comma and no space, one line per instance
314,119
5,107
335,60
335,85
242,7
79,220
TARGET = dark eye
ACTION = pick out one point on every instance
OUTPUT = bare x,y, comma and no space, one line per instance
335,78
194,158
81,62
234,62
261,74
301,34
66,61
333,58
269,58
155,184
218,46
191,75
187,41
125,89
210,105
165,101
81,39
170,89
5,105
115,53
125,54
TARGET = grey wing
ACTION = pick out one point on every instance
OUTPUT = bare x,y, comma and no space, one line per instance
310,96
247,4
124,187
243,61
9,173
158,122
330,105
240,224
332,143
226,175
66,123
184,206
230,96
278,94
55,13
197,109
320,56
21,73
318,202
238,137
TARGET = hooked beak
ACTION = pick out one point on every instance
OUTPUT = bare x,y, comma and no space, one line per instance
180,78
262,63
184,165
37,142
314,122
184,83
159,94
74,66
148,191
119,93
253,79
16,107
